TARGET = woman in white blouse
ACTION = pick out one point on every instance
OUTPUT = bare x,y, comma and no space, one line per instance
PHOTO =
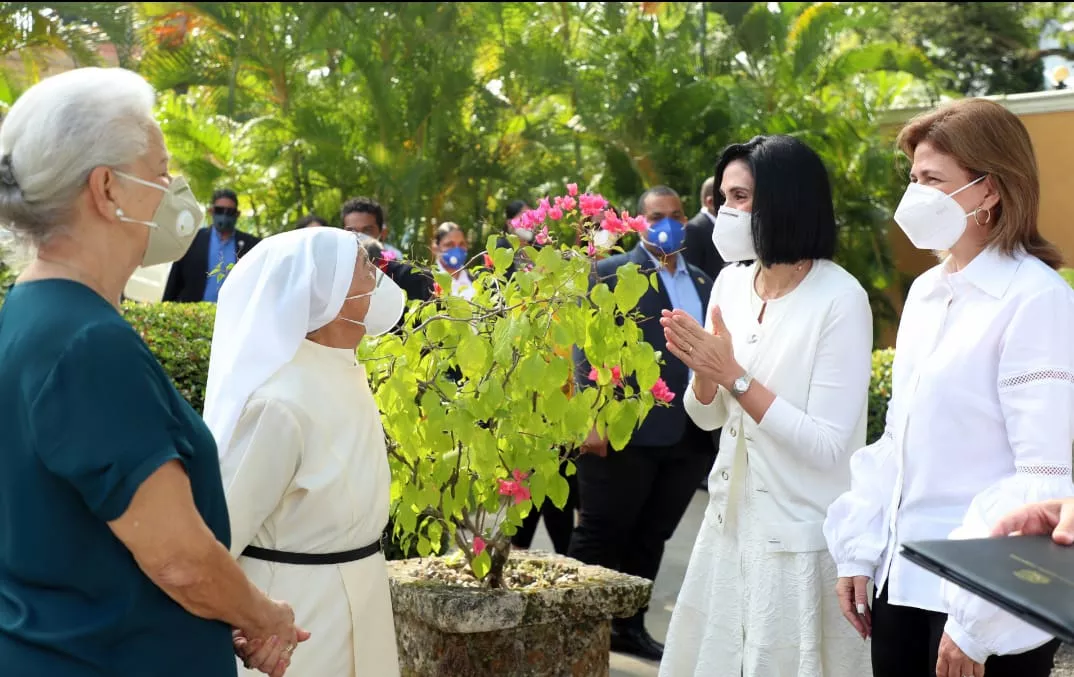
452,255
783,366
301,445
981,418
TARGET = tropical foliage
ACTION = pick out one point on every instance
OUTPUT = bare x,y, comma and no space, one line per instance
447,111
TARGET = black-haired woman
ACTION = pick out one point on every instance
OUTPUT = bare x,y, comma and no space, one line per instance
783,366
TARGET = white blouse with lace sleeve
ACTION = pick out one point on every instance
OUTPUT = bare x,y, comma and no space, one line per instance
981,420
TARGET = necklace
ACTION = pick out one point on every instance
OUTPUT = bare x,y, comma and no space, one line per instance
801,269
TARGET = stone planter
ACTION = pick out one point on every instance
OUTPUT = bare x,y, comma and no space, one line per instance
564,631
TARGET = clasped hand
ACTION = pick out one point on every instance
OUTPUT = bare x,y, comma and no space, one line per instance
708,353
269,648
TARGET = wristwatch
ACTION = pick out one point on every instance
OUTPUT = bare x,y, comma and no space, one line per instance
741,385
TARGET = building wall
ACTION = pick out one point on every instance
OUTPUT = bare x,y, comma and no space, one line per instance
1049,118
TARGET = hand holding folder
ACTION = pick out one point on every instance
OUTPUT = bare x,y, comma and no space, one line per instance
1054,518
1026,574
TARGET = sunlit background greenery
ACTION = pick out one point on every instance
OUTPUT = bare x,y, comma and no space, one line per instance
447,111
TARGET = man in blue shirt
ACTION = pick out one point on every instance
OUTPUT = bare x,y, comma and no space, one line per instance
202,270
632,499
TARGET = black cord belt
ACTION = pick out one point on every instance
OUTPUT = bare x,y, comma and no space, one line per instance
304,558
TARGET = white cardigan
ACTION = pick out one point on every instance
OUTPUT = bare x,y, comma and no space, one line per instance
814,351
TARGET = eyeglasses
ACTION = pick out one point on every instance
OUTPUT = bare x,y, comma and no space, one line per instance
226,211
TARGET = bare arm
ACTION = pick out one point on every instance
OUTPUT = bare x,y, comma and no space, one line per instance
174,547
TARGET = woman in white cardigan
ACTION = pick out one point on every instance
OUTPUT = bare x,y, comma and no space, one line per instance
783,367
981,418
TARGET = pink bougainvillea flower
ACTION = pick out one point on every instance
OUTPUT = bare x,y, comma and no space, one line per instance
519,475
638,224
612,223
514,489
661,391
592,204
388,255
572,189
555,213
533,218
590,250
437,289
479,545
566,203
543,237
617,375
522,494
488,261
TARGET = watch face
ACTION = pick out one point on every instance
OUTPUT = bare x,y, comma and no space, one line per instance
741,385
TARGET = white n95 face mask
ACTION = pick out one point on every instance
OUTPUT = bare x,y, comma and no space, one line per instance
732,235
385,307
175,222
930,217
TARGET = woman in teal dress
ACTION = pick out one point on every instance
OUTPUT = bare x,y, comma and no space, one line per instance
113,525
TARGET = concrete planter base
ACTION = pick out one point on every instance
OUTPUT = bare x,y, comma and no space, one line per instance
562,631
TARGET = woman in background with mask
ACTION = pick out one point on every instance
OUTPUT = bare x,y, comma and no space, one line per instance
783,366
302,449
450,250
980,415
115,528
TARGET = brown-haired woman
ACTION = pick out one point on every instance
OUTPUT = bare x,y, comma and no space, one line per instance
980,415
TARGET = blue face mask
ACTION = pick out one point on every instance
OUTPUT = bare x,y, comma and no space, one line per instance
666,235
454,258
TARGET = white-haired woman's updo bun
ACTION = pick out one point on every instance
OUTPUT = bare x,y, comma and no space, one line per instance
57,133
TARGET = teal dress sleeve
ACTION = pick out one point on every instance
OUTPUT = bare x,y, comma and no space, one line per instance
103,421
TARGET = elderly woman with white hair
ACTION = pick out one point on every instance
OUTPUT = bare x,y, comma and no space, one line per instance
301,444
113,522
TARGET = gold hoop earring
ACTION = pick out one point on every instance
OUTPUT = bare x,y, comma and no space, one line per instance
977,218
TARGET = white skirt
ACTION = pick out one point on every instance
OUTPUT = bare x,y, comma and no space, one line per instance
746,612
348,610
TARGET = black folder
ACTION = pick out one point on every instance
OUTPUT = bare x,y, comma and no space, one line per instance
1029,576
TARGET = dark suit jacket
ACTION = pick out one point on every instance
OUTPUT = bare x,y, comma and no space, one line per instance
700,251
416,282
664,426
186,282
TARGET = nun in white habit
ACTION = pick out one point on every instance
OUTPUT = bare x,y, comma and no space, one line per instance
301,445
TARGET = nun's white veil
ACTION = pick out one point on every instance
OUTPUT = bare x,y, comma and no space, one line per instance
286,287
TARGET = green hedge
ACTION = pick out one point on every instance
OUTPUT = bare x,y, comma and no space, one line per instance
879,393
180,335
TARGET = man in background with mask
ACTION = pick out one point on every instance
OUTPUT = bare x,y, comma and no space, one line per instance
632,499
699,248
216,248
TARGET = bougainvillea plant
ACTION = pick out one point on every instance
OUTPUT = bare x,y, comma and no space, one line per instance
480,398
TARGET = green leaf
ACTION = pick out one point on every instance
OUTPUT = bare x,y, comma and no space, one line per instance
621,422
558,490
481,565
436,534
555,405
603,297
629,288
473,356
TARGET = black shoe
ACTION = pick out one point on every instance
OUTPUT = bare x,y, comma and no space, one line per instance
636,642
